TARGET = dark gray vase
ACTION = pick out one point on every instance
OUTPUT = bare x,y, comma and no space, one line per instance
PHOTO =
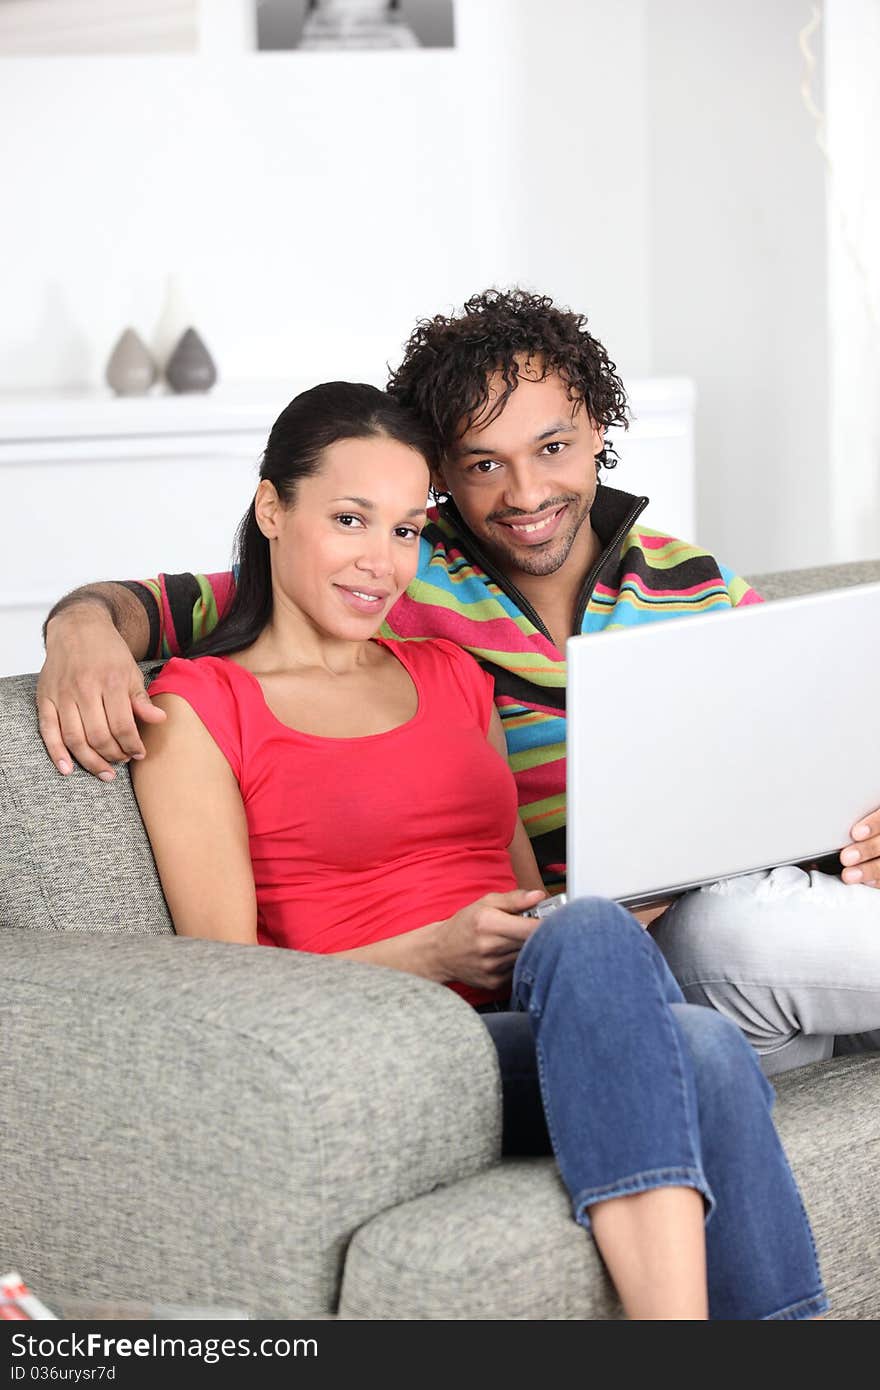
190,366
130,369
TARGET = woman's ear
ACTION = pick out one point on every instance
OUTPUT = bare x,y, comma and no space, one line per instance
267,504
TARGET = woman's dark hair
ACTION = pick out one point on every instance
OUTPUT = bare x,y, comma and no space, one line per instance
313,421
448,362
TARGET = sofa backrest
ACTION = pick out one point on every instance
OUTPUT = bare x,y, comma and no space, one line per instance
790,583
74,855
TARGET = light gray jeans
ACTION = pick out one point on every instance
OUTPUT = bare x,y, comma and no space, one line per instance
792,957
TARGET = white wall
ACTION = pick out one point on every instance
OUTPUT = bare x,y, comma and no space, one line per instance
575,110
315,205
852,55
649,162
738,271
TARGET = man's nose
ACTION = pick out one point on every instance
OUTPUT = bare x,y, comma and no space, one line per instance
524,489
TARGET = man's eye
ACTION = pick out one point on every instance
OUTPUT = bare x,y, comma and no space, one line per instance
554,447
484,466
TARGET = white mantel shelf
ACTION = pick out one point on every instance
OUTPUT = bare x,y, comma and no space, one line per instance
236,408
96,486
100,414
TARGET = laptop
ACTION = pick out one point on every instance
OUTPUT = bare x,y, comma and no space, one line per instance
721,744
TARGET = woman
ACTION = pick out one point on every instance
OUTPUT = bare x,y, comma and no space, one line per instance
316,787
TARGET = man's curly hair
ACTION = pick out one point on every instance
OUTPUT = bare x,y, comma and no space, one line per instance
447,363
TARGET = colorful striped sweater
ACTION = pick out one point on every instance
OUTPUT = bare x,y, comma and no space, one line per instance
641,576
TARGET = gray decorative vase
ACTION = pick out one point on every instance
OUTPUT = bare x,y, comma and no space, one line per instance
190,366
130,369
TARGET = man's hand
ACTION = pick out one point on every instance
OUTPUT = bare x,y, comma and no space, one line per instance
861,859
90,692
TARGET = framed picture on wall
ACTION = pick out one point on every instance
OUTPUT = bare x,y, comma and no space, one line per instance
325,25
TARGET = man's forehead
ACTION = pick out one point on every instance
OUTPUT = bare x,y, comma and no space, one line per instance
501,397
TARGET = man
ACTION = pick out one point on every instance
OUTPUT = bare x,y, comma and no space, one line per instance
526,548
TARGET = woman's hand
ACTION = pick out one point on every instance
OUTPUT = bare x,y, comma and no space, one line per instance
479,944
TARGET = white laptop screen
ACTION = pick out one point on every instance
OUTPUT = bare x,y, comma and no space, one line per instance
719,744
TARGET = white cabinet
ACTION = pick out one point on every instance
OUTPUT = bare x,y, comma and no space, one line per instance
99,487
657,454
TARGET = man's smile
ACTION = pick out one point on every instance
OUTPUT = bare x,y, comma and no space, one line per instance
534,530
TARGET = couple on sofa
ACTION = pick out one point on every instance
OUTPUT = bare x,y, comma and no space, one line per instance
310,783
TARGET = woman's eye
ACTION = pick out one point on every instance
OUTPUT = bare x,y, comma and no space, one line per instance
407,533
348,521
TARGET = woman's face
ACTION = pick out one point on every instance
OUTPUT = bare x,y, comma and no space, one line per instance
346,548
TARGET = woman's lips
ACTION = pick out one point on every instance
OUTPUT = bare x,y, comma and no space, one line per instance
363,600
535,530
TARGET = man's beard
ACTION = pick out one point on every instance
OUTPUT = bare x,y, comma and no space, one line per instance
541,559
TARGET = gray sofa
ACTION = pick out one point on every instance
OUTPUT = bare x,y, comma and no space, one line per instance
296,1136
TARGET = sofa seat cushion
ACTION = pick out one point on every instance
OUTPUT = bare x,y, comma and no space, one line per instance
828,1116
502,1244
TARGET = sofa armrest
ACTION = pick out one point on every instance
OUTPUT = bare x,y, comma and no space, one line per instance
216,1121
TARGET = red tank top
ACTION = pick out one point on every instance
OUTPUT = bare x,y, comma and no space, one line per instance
354,840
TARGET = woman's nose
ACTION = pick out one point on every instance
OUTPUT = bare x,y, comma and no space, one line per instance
376,559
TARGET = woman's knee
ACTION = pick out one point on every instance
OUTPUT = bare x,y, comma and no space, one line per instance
584,924
591,940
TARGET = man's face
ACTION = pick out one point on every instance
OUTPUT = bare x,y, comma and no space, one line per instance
525,482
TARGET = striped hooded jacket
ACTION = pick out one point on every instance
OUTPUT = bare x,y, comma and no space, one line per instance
641,576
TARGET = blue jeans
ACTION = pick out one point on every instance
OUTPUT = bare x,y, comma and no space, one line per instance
603,1061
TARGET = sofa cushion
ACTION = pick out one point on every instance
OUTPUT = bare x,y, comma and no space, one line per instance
502,1244
67,842
828,1117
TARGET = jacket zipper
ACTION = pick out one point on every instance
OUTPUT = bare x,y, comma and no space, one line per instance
521,601
590,583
